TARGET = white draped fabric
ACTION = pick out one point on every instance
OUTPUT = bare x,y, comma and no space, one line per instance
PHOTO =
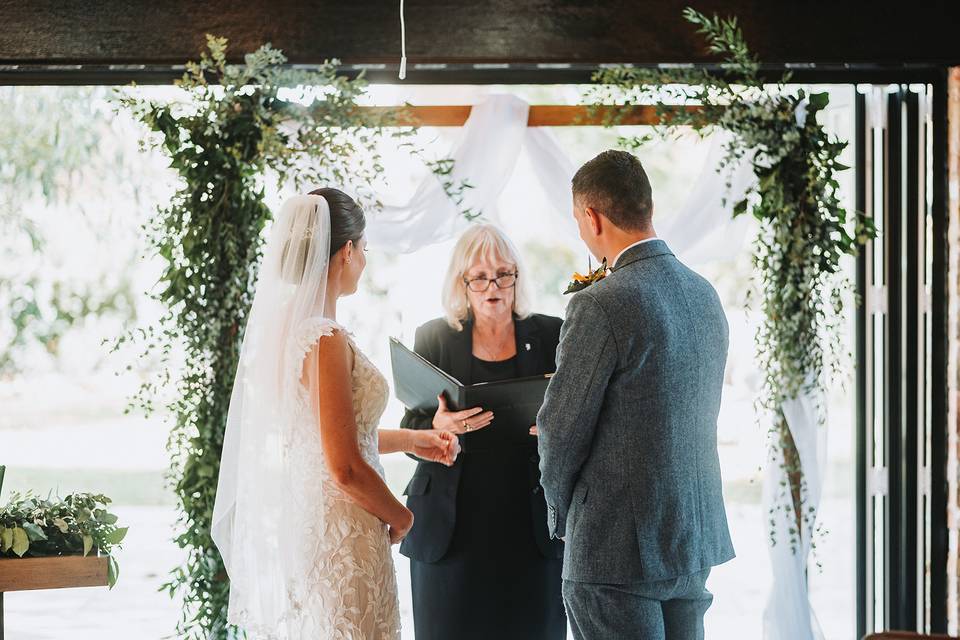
702,232
788,614
490,144
485,156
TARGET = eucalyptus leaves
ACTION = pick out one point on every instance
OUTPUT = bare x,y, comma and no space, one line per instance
77,524
230,130
804,230
226,133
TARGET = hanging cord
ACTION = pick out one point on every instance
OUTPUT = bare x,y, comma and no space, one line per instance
403,44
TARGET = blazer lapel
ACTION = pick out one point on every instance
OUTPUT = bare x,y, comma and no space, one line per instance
528,351
461,352
528,348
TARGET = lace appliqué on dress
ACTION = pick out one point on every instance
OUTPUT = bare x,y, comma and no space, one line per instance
350,590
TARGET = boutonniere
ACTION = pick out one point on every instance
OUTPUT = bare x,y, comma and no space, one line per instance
581,282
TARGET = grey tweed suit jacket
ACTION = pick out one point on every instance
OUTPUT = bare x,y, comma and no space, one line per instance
628,429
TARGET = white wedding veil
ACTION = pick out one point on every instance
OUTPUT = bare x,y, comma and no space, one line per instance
267,507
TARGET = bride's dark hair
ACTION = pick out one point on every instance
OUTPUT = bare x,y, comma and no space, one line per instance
347,221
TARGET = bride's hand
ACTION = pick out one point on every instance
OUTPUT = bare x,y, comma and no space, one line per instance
436,446
399,530
458,422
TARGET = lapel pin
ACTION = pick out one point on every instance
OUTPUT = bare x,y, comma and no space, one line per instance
527,345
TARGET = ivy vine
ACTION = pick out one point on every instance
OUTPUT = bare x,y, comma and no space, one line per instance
805,231
226,133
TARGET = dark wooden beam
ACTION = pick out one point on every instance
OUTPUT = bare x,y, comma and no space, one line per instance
465,31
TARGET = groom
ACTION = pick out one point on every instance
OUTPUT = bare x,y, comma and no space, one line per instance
628,429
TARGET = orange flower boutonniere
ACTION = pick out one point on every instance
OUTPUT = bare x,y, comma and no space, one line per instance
581,282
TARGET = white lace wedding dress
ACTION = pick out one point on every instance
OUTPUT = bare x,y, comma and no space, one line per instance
351,592
305,562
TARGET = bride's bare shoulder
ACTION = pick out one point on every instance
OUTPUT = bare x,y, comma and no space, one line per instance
334,348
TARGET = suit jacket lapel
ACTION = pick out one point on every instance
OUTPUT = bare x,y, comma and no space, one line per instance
528,351
528,348
461,352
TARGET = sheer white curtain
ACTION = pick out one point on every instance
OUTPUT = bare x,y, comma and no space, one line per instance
492,140
701,233
485,155
788,614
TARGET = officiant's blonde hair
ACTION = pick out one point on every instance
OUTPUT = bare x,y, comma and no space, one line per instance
480,241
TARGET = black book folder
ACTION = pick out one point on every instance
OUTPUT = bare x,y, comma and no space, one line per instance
515,403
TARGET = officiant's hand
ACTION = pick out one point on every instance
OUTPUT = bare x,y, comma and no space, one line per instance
458,422
436,446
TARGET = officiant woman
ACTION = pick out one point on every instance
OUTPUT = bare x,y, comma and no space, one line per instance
481,562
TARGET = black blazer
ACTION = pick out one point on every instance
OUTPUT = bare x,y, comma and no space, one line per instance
432,491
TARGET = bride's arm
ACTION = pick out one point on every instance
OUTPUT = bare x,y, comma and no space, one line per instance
341,451
434,445
395,440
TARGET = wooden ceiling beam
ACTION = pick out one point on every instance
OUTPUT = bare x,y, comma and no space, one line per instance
540,115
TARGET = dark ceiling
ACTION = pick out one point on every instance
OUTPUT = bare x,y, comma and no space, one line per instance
493,31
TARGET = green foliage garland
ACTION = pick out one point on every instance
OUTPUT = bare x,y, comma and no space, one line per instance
804,230
77,524
230,130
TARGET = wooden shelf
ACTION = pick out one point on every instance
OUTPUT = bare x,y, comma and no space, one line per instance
58,572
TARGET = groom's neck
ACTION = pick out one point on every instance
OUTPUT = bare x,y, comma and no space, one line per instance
620,240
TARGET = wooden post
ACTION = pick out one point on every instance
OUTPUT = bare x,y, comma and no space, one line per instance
953,351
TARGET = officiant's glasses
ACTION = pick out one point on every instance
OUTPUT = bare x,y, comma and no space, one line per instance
481,284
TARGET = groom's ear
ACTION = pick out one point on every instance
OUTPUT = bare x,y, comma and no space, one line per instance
594,219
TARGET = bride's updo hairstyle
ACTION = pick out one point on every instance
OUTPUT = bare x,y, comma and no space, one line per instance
347,222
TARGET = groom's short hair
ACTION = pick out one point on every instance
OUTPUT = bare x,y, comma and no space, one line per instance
615,184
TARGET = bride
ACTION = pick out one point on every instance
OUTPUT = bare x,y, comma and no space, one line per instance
303,518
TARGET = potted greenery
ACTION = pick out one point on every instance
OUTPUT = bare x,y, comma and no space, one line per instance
76,525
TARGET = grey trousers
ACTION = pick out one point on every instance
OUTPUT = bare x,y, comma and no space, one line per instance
665,610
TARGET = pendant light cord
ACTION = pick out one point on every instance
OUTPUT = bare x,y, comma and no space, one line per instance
403,44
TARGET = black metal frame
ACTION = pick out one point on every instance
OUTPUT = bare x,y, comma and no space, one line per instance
863,379
897,564
939,430
901,425
914,425
453,73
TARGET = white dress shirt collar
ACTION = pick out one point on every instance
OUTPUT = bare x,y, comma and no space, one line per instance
635,244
